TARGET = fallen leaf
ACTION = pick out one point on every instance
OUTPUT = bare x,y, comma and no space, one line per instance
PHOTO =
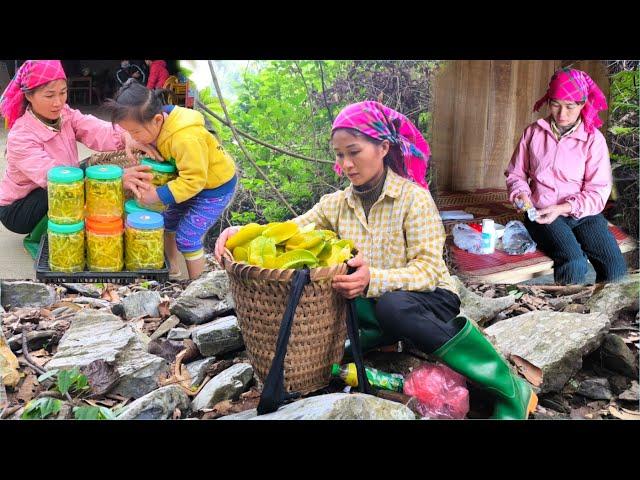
73,306
102,376
623,413
9,365
532,373
28,389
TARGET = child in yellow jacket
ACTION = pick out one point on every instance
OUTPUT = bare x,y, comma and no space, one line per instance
206,172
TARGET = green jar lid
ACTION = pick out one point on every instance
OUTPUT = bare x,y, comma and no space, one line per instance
163,167
104,172
72,228
65,174
130,206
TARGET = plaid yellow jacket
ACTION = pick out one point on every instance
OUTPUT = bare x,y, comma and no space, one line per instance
402,241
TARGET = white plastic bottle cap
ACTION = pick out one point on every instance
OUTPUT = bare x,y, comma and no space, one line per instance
487,223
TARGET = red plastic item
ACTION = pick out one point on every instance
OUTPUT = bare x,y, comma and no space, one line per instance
441,392
476,226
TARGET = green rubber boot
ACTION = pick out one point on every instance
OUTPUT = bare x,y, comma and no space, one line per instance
472,355
371,335
32,241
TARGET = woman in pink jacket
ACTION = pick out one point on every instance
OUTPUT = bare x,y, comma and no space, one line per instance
561,167
158,73
43,134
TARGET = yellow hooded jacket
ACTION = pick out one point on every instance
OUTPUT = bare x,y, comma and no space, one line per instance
201,161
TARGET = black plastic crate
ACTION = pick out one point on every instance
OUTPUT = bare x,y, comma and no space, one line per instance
125,276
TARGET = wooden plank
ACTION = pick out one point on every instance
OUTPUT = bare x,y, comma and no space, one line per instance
500,124
471,123
441,137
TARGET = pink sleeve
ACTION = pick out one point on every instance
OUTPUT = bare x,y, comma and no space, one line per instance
95,133
31,159
596,186
517,170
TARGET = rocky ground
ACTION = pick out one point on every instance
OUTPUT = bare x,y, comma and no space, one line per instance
175,351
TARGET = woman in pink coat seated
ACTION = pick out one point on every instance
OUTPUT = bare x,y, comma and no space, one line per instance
561,167
43,134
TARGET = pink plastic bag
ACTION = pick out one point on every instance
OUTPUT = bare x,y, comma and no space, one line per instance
441,392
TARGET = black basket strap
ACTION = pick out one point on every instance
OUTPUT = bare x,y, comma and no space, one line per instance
356,349
273,394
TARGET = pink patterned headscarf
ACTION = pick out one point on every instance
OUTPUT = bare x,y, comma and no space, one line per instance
575,85
31,74
383,123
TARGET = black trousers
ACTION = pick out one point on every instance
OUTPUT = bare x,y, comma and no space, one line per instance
423,319
23,215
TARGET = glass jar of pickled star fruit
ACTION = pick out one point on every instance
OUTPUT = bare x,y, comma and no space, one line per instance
65,193
163,173
144,241
104,192
105,245
66,246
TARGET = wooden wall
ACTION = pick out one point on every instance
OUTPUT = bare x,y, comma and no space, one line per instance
481,108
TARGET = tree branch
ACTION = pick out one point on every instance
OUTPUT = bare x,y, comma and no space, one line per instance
241,145
261,142
324,93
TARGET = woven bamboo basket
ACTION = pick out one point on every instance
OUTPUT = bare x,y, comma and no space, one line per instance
119,158
319,327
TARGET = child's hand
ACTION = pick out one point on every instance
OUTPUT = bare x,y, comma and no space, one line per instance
149,196
137,179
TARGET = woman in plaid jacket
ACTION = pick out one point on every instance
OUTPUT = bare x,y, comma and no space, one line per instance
401,285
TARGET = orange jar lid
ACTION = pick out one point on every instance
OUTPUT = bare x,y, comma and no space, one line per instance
107,227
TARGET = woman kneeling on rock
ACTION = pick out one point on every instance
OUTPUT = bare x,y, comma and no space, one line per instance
401,285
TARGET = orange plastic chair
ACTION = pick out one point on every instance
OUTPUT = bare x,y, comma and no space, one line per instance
177,91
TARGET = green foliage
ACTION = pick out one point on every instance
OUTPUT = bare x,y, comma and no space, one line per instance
67,380
93,413
41,408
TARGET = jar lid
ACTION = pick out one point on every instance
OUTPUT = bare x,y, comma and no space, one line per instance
104,172
59,228
163,167
65,174
131,206
106,227
145,220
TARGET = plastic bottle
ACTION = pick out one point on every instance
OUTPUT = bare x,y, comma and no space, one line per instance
66,247
104,192
144,241
65,193
488,236
163,173
387,381
105,245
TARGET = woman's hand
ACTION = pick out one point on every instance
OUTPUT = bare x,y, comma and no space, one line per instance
549,214
137,179
130,145
351,286
222,241
524,200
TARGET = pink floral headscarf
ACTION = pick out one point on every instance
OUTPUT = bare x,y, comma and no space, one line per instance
575,85
31,74
382,123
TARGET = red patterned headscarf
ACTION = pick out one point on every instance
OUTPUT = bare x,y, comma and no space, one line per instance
383,123
576,86
31,74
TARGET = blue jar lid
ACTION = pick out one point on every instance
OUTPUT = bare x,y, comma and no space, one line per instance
104,172
65,174
145,220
